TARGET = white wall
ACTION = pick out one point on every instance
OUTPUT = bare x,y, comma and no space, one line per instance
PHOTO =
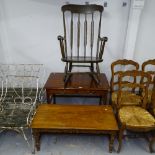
29,30
145,45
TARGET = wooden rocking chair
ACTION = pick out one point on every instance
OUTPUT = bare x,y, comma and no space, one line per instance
82,45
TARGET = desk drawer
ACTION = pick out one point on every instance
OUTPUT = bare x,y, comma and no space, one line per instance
78,91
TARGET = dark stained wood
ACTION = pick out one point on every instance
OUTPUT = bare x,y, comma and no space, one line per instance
79,84
74,8
74,119
80,47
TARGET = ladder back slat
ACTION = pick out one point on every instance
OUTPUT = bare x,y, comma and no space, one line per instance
99,30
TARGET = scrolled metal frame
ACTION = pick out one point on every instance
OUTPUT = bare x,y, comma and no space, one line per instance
10,73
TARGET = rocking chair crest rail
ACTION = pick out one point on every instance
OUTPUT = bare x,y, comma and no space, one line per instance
74,8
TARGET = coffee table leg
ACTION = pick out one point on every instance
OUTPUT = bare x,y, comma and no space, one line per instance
111,142
36,135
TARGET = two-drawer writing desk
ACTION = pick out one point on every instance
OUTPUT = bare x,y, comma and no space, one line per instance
79,84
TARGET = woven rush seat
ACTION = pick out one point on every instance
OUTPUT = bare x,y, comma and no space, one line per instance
128,98
136,116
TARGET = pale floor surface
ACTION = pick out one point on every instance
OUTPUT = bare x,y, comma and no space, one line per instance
12,143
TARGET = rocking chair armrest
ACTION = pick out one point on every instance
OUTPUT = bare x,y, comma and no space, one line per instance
61,40
102,40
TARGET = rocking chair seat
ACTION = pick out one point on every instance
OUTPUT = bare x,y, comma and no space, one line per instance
81,59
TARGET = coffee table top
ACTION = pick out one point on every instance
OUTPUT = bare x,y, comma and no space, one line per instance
77,81
81,117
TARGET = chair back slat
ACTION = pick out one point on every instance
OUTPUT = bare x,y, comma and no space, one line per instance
85,35
65,34
71,34
92,34
99,31
78,35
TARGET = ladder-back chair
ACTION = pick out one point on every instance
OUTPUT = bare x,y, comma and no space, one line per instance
132,117
82,45
117,67
149,67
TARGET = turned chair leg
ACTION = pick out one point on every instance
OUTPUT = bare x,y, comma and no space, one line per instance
151,144
92,67
95,75
70,66
98,71
67,73
120,137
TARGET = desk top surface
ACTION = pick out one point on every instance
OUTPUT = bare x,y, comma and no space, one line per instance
77,81
84,117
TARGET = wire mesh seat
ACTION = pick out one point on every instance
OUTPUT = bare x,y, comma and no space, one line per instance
82,45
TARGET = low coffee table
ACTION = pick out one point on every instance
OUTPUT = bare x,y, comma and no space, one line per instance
74,119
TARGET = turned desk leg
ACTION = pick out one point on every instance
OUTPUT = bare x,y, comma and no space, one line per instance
104,99
48,97
111,142
54,99
100,100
